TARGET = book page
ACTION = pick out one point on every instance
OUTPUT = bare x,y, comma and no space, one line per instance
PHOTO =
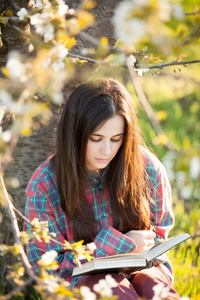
164,246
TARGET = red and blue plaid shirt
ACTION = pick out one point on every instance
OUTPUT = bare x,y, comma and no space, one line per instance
43,202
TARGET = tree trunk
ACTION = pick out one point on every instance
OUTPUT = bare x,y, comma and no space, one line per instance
30,152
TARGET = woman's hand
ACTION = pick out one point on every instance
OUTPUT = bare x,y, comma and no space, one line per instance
142,238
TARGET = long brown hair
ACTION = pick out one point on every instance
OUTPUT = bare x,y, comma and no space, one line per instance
89,106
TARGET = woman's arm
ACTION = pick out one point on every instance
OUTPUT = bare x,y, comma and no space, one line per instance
38,207
110,241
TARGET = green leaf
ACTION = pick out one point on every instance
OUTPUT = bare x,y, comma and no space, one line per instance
3,21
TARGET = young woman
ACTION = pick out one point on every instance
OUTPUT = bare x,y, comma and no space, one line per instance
103,186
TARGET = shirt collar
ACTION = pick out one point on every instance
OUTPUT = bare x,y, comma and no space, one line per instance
98,182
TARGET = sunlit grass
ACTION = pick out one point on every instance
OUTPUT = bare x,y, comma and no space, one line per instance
186,265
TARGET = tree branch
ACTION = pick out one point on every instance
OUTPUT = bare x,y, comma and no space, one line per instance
146,105
18,289
90,60
31,37
27,220
14,20
16,231
173,63
192,13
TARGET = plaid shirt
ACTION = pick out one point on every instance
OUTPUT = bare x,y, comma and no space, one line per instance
43,202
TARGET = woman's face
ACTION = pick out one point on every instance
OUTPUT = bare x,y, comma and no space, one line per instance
104,143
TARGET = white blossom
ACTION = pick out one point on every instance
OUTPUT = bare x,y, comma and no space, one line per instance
6,99
128,31
177,11
22,14
49,257
111,281
39,28
168,163
132,59
165,10
6,136
39,4
194,167
86,293
71,11
165,292
57,66
184,298
14,65
121,58
127,28
104,286
51,285
84,51
106,292
61,51
47,12
57,97
91,246
180,176
155,297
158,288
141,72
61,2
48,32
81,256
41,23
46,63
160,291
15,183
186,192
36,19
62,9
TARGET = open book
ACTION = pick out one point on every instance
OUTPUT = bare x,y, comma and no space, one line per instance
130,262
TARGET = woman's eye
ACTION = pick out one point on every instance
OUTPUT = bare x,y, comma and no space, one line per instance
115,141
94,140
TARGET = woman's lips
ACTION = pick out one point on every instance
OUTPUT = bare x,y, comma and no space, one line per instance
101,160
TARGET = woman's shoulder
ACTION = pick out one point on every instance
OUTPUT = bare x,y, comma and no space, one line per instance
44,174
152,163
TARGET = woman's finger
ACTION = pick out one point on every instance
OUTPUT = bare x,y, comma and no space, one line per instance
149,234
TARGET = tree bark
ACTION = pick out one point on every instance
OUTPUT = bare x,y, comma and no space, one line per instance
9,38
31,151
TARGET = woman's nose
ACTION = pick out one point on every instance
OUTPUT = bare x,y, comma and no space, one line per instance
106,148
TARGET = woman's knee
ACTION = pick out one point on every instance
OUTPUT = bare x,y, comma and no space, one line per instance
145,281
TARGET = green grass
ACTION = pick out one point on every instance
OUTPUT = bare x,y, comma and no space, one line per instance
187,274
185,258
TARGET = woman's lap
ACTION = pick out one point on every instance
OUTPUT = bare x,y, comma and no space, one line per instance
124,290
140,285
145,280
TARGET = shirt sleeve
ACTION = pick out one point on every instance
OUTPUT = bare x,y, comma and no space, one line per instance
110,241
162,217
37,206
